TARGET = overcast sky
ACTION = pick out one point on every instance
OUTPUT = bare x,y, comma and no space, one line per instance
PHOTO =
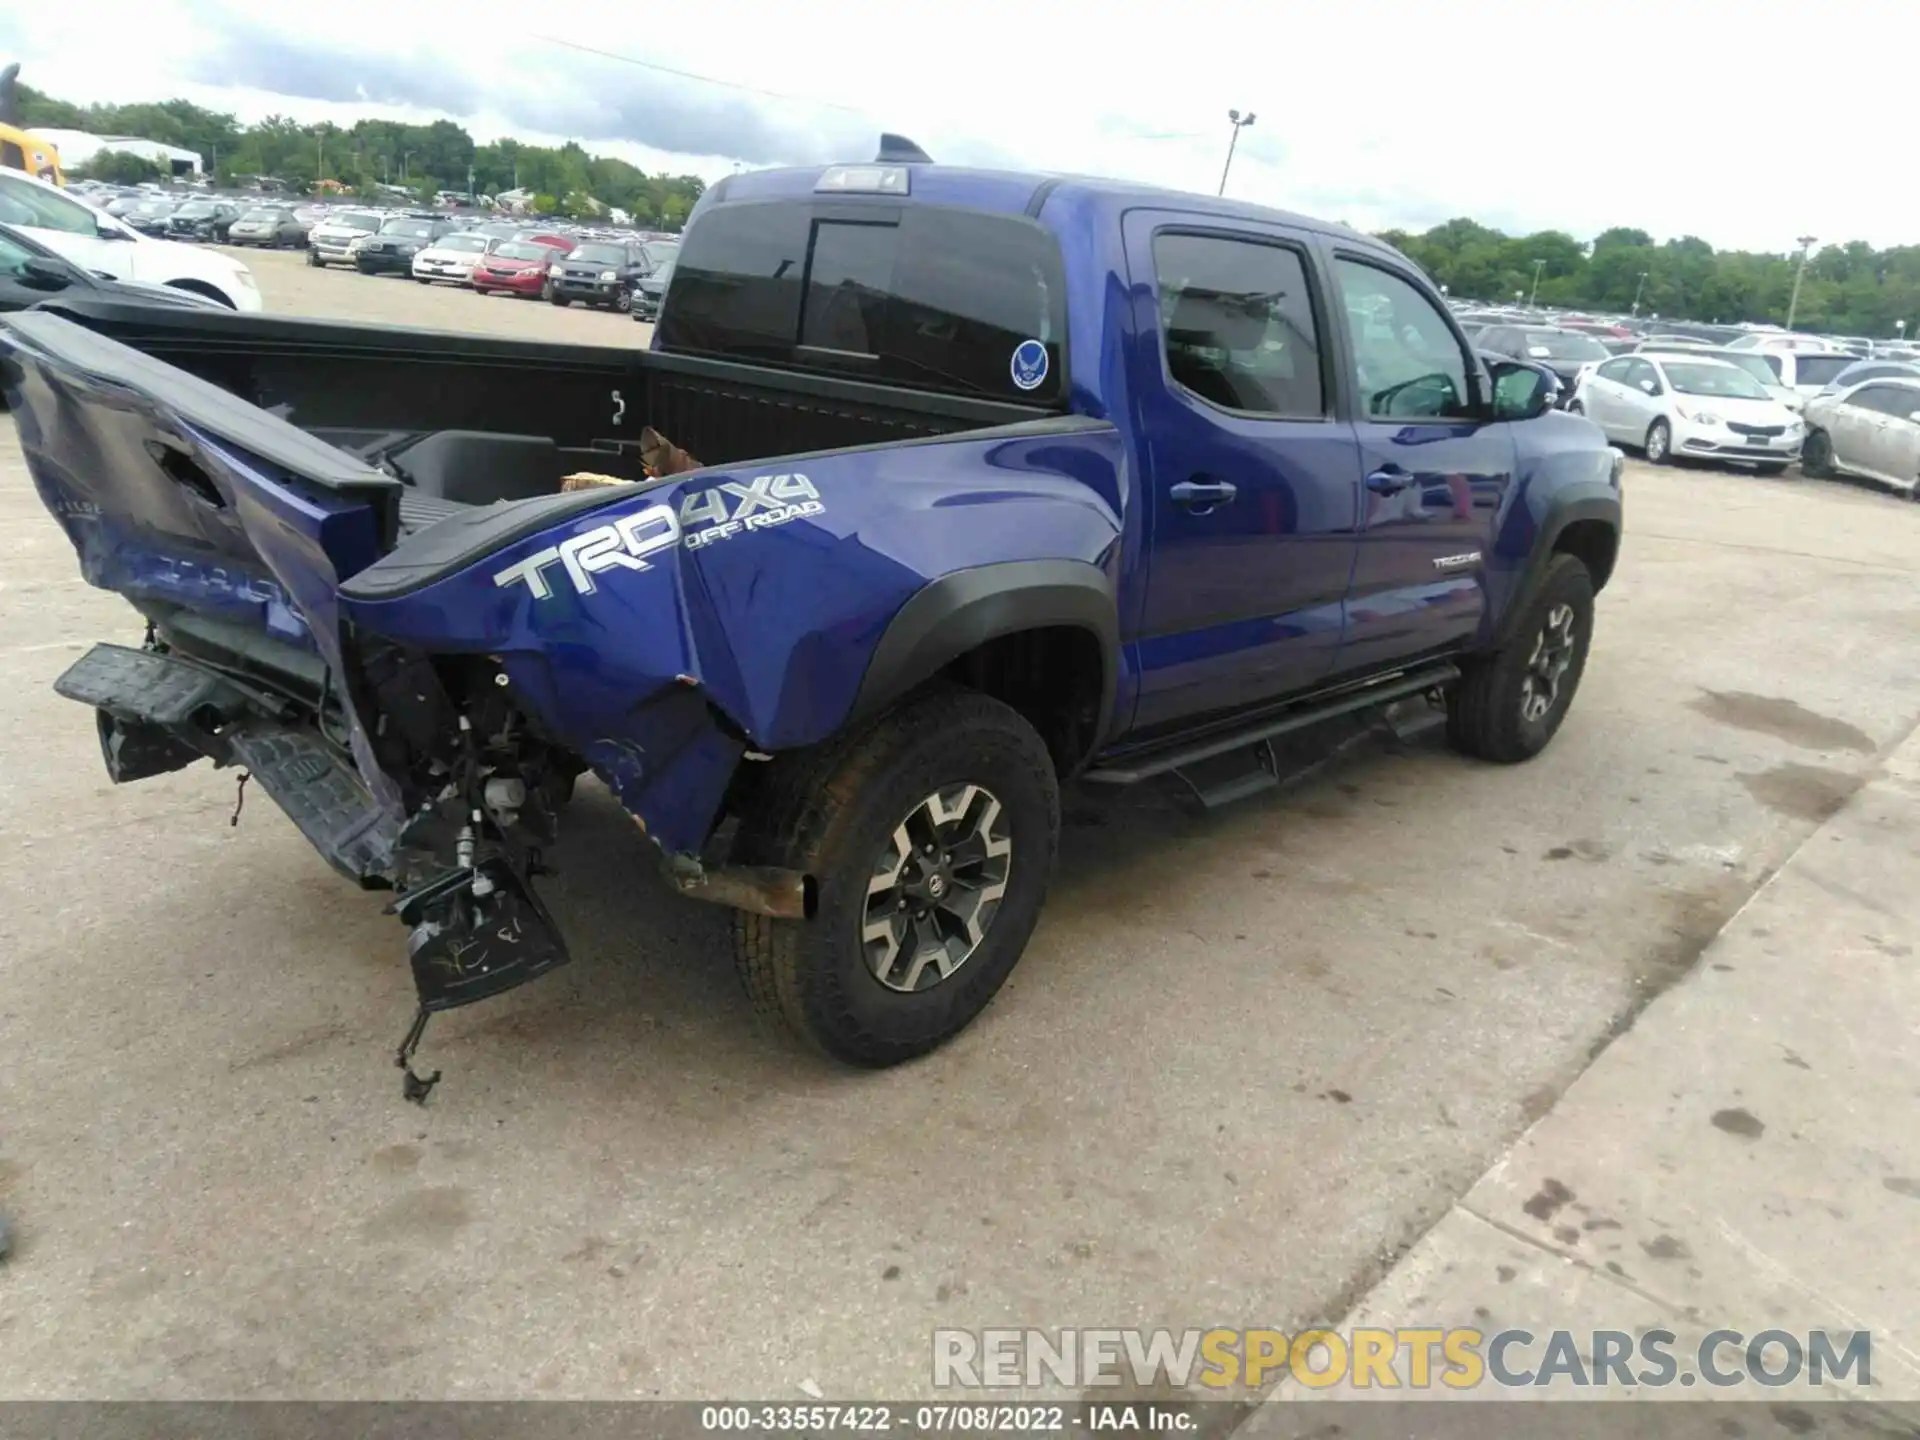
1743,123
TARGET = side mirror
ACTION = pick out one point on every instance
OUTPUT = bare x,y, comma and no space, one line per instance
1915,415
110,232
1652,387
1521,392
44,274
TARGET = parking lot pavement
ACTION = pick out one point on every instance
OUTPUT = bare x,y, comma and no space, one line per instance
1248,1059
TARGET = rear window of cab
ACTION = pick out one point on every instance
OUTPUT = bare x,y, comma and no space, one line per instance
963,302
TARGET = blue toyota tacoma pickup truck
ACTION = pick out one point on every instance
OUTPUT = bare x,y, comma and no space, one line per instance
1003,480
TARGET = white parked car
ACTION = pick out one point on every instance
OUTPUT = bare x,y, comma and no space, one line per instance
451,257
1778,340
331,241
1805,372
1871,430
1683,405
96,241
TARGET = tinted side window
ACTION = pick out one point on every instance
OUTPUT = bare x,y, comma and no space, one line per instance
1887,400
1407,361
1237,324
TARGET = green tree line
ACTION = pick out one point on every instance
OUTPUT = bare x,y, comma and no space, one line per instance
1850,289
424,158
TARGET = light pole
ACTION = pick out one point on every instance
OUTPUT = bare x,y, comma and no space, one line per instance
1637,289
1239,123
1900,330
1793,305
1535,293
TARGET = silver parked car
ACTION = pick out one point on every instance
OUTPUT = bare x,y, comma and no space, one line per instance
1871,430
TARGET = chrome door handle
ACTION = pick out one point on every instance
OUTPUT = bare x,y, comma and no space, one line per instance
1201,496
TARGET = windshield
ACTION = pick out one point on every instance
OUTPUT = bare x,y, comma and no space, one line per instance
661,252
194,209
264,217
1754,365
1723,382
1562,345
1819,369
418,229
356,220
23,202
473,244
600,254
521,250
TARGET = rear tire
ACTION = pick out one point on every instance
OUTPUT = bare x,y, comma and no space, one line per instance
952,769
1506,706
1816,455
1574,407
313,259
1659,443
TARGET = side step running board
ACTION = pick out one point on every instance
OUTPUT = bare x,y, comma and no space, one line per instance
1179,757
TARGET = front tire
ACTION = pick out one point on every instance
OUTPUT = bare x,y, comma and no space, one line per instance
1508,705
1659,443
1816,455
561,300
313,259
908,939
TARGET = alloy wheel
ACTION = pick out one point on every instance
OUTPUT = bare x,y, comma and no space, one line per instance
1552,654
936,887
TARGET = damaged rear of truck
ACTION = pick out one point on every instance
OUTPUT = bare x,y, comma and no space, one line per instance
414,586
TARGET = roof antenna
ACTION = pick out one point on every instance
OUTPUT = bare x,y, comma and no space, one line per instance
897,150
9,95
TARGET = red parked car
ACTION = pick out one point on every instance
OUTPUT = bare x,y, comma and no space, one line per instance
517,266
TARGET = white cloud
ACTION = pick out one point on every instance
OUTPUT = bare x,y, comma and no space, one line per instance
1677,116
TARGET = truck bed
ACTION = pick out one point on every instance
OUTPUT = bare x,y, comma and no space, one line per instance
488,419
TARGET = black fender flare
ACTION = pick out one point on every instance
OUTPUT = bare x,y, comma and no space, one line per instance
1589,500
959,612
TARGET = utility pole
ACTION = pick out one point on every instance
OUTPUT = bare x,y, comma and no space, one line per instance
1239,124
1535,292
1793,305
1637,289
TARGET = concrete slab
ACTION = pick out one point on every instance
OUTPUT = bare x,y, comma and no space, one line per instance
1743,1157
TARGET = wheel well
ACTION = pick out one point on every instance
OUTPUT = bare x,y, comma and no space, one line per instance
200,287
1054,676
1594,543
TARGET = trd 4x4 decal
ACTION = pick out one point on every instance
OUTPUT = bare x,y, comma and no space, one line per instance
763,502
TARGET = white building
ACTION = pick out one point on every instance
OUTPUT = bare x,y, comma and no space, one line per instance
77,148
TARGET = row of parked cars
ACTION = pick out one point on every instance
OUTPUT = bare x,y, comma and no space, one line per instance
626,273
562,263
1756,397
